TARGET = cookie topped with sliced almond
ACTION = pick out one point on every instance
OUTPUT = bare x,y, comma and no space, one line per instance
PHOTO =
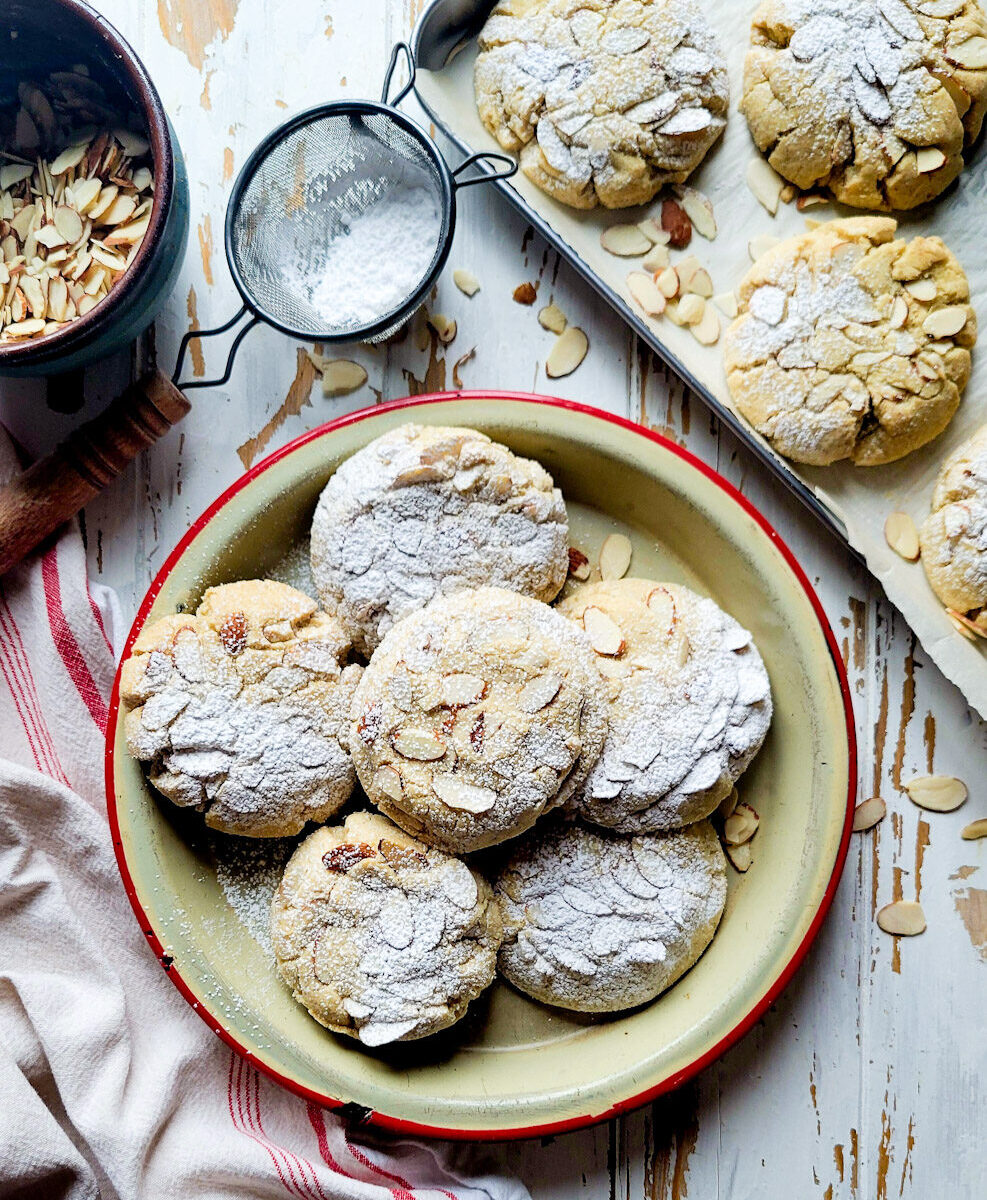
475,716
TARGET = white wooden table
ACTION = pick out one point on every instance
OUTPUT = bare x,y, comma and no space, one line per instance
867,1078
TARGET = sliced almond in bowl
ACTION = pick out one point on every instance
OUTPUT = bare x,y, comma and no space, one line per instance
902,536
615,556
936,793
568,352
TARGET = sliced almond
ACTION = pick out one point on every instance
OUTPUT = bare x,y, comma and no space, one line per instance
922,289
12,174
444,326
810,200
726,302
341,376
645,291
70,157
657,258
615,556
971,53
568,352
758,246
946,322
904,918
466,281
741,825
455,793
868,813
552,317
422,745
699,210
700,284
603,632
706,330
578,564
740,856
462,689
691,309
539,692
626,241
683,650
672,312
653,232
388,781
662,603
969,629
22,329
902,536
928,159
975,830
898,313
667,282
936,793
728,804
765,182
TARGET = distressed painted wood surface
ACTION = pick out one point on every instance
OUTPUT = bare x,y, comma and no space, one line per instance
867,1078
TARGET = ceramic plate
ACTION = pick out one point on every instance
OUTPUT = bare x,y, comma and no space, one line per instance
513,1067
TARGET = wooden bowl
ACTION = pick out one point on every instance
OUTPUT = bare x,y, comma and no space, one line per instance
512,1067
39,36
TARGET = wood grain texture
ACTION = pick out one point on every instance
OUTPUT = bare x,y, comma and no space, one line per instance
865,1081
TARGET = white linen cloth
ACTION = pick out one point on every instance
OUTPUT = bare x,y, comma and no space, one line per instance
110,1086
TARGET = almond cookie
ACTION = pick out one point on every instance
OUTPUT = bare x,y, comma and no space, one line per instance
954,535
606,100
850,343
426,510
240,709
599,923
873,100
475,716
690,704
380,936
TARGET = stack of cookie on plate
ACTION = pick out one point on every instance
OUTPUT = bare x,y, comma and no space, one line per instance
543,776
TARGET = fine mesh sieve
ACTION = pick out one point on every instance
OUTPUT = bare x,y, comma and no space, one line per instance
307,187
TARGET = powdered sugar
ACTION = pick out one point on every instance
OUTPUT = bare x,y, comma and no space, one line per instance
598,923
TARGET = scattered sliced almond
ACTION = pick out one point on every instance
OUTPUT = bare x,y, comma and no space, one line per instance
422,745
765,182
603,632
672,312
928,159
444,326
902,536
645,291
578,564
466,281
341,376
525,293
922,289
741,825
728,804
969,629
903,918
552,317
653,232
758,246
698,209
568,352
946,322
975,830
868,813
657,258
539,693
788,193
726,302
936,793
667,282
740,856
706,330
615,556
810,200
455,793
691,309
700,284
626,241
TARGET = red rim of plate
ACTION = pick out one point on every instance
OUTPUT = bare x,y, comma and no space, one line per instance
395,1124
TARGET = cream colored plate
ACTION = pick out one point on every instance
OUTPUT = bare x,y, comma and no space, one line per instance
513,1067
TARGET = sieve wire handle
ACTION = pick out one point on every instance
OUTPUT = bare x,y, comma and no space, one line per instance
204,333
399,48
508,168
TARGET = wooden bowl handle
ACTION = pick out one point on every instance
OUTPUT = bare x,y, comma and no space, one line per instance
35,503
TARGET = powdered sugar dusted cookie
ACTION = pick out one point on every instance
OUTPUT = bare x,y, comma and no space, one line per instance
606,100
426,510
873,100
475,716
380,936
240,709
850,343
690,703
599,923
954,535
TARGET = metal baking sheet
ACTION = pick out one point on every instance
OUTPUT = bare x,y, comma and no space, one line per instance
852,501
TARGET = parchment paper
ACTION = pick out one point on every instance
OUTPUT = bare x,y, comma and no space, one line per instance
860,497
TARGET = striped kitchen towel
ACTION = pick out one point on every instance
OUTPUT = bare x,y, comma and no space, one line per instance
110,1086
